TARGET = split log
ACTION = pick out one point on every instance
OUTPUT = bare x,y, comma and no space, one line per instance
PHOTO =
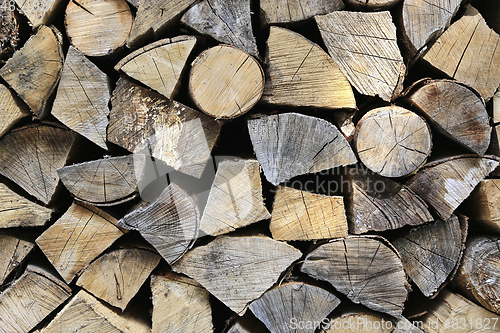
364,46
143,121
235,198
482,205
14,252
431,254
34,70
376,203
392,141
9,33
84,313
478,276
304,75
30,156
454,110
11,109
373,5
226,82
38,12
77,238
109,181
283,11
117,276
228,22
281,307
300,215
159,65
291,144
30,299
180,305
238,270
455,53
363,268
82,98
98,27
445,184
247,324
170,224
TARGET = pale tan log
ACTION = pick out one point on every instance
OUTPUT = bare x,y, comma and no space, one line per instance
301,215
143,121
180,305
238,270
39,12
98,27
365,269
108,181
482,204
283,11
159,65
77,238
303,75
454,110
291,144
364,46
30,299
496,107
171,223
373,5
228,22
86,314
247,324
13,251
30,156
455,53
17,211
235,198
226,82
12,109
34,70
392,141
153,18
293,302
445,184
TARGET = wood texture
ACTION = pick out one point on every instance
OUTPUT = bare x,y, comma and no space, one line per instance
34,70
235,198
301,215
238,270
364,47
283,11
14,251
11,109
361,322
9,34
304,75
291,144
373,4
482,204
39,12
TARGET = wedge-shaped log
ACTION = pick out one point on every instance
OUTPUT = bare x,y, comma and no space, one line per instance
482,204
12,109
283,11
14,251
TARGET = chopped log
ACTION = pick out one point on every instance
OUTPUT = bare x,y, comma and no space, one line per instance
39,12
304,75
30,156
301,215
170,224
180,305
392,141
291,144
365,269
238,270
98,27
235,198
34,70
445,184
455,53
482,205
82,98
361,322
283,11
373,5
9,33
454,110
109,181
226,82
228,22
77,238
478,275
12,109
431,254
30,299
153,18
247,324
85,313
376,203
364,46
296,302
159,65
14,251
143,121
